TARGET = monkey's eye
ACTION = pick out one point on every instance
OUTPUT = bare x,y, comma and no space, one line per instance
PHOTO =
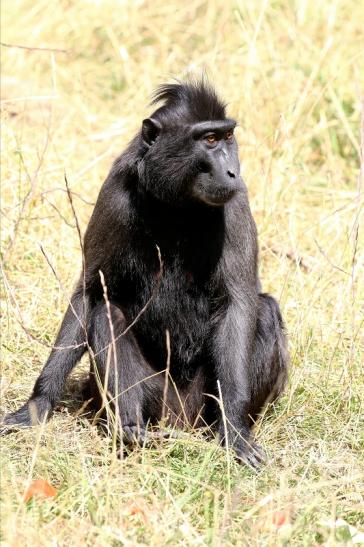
211,139
229,135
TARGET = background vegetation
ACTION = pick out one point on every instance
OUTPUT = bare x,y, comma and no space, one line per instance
292,73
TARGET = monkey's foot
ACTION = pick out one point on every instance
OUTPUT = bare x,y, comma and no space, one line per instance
137,435
32,413
251,454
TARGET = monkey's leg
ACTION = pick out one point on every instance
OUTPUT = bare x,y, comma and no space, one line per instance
69,347
120,375
268,372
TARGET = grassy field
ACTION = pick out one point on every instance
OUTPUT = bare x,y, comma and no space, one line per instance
73,95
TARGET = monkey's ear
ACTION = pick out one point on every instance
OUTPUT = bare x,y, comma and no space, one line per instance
150,131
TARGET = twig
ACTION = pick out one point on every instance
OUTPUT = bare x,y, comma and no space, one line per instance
69,194
356,224
166,378
328,258
115,358
21,321
33,181
291,255
80,239
34,48
62,287
71,191
59,212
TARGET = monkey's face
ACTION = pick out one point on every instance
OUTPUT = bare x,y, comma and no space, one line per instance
194,162
218,177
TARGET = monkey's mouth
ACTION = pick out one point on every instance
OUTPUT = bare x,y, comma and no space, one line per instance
216,199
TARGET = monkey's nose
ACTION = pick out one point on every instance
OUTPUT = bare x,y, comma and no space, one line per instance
231,174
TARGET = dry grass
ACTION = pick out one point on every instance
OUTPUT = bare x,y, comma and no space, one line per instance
292,72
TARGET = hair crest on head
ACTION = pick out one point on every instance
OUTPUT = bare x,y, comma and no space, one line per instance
198,96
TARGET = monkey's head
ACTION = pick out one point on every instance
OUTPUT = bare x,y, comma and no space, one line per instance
189,151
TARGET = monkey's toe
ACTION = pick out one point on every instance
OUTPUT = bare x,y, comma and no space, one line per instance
137,435
134,435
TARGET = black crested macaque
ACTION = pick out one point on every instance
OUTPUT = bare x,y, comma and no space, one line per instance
173,244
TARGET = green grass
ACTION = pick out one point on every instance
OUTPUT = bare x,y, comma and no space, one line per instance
293,74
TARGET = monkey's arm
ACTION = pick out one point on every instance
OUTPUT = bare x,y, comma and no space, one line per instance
233,345
236,328
101,240
68,349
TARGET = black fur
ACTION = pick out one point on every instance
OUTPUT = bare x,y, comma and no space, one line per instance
174,189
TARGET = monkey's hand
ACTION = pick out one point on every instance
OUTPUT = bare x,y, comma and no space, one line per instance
251,454
246,450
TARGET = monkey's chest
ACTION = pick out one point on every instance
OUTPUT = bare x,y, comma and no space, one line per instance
180,306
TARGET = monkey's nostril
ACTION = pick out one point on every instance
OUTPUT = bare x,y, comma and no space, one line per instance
231,174
204,167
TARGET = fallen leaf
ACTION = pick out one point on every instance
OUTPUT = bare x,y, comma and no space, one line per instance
40,488
280,518
137,509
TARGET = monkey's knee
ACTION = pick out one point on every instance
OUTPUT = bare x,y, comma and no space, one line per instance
106,327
